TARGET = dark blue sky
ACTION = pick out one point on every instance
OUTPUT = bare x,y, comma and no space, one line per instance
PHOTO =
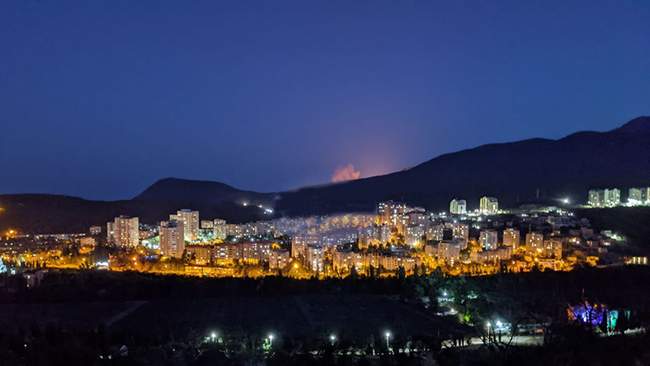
101,98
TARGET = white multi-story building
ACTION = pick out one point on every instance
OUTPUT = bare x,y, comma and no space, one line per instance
458,207
207,224
488,239
202,254
219,229
488,205
300,242
495,255
638,196
435,232
449,250
511,238
535,242
596,198
172,238
612,197
392,214
190,221
608,197
124,231
279,259
343,261
255,251
95,230
414,235
417,217
553,248
228,252
460,233
315,258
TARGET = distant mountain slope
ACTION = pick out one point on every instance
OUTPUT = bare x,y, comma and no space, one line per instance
196,191
524,171
41,213
536,169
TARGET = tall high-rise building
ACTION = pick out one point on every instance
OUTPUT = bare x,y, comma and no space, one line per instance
392,214
458,207
460,233
190,221
612,197
488,239
608,197
511,238
124,231
637,196
172,238
219,229
596,198
488,205
315,255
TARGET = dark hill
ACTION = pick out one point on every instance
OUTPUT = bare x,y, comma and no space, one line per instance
202,192
40,213
524,171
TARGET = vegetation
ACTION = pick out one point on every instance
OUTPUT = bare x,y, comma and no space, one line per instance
73,317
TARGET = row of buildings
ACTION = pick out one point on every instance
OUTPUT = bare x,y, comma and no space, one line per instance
252,252
487,206
611,197
181,228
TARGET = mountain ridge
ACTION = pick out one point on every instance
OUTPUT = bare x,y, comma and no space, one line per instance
535,169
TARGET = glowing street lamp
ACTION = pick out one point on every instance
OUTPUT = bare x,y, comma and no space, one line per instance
270,337
332,338
213,336
387,335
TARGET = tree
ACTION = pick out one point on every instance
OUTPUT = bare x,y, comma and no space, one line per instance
353,273
401,274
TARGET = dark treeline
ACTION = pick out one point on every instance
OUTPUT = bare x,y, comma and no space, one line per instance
171,336
620,286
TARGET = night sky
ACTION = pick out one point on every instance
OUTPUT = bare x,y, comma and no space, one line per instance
101,98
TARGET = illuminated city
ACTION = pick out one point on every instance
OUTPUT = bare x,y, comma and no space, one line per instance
347,183
396,238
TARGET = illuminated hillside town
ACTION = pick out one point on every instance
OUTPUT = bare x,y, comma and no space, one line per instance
396,240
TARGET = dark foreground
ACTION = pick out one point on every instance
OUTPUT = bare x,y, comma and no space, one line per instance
95,318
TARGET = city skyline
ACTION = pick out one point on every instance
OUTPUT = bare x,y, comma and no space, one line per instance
275,97
324,182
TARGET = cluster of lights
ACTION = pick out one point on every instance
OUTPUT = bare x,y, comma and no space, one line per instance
497,326
267,210
213,338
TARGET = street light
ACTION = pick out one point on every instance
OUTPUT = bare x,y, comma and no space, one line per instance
332,338
387,334
270,337
213,336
